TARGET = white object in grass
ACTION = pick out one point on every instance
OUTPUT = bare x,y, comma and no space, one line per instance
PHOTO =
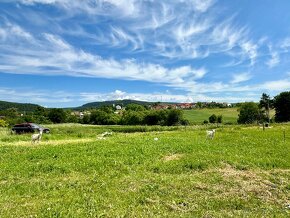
210,133
36,137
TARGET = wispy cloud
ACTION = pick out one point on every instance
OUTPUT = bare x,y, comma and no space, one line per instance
177,43
286,43
275,59
51,55
161,29
242,77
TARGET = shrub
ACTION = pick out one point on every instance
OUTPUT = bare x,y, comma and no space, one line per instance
3,123
220,119
212,118
57,115
132,118
174,117
249,113
152,118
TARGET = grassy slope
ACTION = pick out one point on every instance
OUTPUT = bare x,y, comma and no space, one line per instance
197,116
242,172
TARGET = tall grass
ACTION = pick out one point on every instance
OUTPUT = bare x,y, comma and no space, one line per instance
243,172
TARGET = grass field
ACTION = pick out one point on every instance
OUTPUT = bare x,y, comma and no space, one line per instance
243,172
230,115
197,116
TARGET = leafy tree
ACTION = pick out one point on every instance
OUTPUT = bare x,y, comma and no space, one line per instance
249,113
212,118
199,105
40,111
152,118
113,119
282,107
220,119
11,112
86,119
57,115
265,104
132,118
174,117
135,107
107,108
99,117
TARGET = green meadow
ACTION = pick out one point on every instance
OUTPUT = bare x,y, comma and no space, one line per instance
197,116
230,115
146,172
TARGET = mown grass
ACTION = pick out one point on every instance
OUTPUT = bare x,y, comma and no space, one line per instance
243,171
197,116
230,115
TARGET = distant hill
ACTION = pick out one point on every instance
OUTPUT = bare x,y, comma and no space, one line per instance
20,106
110,103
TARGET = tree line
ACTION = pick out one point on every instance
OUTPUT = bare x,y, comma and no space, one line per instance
106,115
135,114
251,112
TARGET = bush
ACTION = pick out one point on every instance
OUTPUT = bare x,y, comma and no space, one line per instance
220,119
249,113
57,115
132,118
152,118
174,117
100,117
3,123
212,118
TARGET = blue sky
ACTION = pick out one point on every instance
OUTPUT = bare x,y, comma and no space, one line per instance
63,53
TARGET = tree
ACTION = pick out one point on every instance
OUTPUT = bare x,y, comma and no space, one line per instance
249,113
132,118
135,107
99,117
282,107
265,104
174,117
212,118
220,119
57,115
152,118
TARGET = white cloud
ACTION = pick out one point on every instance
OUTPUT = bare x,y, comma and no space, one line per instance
274,61
242,77
286,43
275,58
250,50
200,5
51,55
278,85
175,29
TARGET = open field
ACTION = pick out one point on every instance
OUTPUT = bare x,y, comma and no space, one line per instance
230,115
146,172
197,116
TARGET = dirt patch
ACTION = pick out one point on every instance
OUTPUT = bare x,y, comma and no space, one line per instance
172,157
251,183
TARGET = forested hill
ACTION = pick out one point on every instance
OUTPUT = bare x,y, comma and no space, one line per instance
110,103
4,105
